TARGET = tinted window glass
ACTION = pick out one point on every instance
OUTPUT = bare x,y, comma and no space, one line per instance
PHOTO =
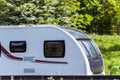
87,53
90,50
17,46
54,49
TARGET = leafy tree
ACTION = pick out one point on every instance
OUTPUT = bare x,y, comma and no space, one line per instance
103,13
60,12
93,16
117,17
4,8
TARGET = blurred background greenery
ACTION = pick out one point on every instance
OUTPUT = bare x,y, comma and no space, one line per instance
92,16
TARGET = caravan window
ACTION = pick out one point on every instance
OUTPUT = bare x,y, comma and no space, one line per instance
89,48
54,49
17,46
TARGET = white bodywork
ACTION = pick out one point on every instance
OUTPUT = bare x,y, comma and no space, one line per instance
33,61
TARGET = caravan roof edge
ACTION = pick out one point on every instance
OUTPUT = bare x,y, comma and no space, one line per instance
24,26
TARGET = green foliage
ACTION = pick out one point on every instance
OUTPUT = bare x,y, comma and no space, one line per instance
114,67
92,16
27,13
60,12
4,8
110,48
50,78
117,16
103,13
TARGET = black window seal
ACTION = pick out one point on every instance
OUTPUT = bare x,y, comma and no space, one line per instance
83,39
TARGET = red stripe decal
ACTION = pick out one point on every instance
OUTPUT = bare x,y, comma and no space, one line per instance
19,58
9,55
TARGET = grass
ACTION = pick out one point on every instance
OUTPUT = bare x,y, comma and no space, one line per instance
110,48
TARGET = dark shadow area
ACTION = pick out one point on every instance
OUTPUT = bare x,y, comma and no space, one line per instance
114,48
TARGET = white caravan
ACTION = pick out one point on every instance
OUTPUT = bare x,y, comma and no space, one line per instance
48,50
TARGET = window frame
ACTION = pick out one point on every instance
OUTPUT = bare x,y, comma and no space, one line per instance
10,47
63,54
